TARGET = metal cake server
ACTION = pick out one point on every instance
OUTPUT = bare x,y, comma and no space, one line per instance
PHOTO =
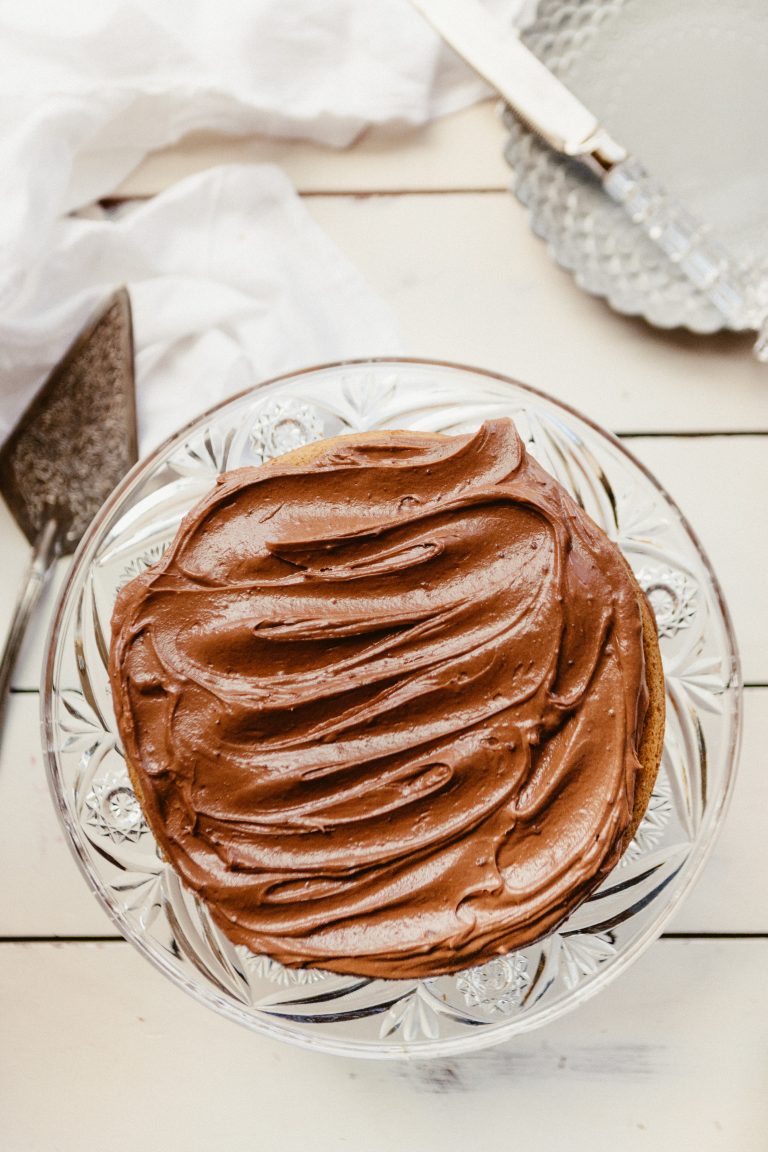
551,110
73,443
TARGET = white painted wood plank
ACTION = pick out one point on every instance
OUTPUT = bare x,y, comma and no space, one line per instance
100,1052
469,282
43,893
721,484
15,558
459,151
731,895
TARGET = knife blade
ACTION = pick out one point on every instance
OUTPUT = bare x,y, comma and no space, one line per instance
550,109
535,94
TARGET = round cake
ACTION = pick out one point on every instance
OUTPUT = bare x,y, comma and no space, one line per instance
392,704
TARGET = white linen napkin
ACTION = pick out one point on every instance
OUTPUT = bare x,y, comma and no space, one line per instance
230,279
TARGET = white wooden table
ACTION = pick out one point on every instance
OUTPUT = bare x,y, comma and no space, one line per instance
100,1052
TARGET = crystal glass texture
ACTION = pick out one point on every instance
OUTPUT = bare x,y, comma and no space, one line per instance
376,1018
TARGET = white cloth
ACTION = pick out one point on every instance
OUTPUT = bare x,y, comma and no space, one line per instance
230,279
229,265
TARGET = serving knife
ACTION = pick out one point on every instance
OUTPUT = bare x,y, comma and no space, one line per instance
550,109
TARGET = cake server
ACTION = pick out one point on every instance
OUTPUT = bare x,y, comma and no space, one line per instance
73,443
550,109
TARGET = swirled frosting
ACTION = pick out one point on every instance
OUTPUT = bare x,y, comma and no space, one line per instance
383,708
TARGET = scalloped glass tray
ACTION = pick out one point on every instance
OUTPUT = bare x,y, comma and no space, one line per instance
378,1018
683,86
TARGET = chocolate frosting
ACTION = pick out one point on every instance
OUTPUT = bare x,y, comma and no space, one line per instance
383,708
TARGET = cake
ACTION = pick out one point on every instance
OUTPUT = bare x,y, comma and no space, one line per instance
392,704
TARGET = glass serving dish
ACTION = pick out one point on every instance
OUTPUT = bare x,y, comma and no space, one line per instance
384,1018
683,86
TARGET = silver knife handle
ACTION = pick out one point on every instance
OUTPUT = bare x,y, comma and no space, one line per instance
43,555
685,241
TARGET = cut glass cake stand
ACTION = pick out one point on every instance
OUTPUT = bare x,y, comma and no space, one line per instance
379,1018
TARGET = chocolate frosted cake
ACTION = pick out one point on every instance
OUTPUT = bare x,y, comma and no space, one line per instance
392,704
